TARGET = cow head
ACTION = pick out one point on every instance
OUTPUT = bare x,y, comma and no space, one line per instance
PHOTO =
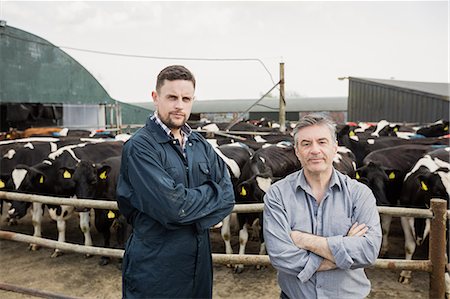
424,186
254,189
384,182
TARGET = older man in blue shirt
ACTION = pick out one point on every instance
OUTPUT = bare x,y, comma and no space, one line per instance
321,227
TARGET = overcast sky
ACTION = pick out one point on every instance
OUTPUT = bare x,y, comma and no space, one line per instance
317,41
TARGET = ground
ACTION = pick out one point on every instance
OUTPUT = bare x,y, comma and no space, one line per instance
76,276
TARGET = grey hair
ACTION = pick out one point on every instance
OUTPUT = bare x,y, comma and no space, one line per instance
313,120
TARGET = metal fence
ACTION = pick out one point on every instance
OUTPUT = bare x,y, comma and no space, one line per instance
435,264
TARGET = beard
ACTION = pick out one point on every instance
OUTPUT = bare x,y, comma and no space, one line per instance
172,122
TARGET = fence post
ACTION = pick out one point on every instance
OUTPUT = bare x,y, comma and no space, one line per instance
437,248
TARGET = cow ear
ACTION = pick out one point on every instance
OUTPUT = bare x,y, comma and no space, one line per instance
103,171
4,178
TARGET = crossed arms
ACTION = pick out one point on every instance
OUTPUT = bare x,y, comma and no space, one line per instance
319,245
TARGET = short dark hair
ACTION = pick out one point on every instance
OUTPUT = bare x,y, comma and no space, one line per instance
315,119
172,73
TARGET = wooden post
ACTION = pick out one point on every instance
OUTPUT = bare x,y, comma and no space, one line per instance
282,112
437,248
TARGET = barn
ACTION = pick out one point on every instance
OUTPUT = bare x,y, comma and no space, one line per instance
397,101
41,85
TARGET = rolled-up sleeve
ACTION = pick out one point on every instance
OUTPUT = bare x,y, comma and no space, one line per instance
359,252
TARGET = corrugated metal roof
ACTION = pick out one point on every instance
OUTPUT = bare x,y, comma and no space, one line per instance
441,89
266,105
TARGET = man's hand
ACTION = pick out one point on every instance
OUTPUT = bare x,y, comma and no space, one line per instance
357,230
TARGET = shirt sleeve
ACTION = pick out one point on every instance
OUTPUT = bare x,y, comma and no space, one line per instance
359,252
284,255
147,186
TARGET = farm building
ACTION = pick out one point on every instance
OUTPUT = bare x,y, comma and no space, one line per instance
227,109
397,101
41,85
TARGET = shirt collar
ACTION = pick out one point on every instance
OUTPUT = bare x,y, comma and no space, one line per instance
303,184
185,129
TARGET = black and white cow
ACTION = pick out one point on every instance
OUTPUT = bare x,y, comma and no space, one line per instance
235,155
383,172
429,178
53,177
99,181
265,166
439,128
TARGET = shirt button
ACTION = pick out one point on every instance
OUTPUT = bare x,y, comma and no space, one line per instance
174,142
190,144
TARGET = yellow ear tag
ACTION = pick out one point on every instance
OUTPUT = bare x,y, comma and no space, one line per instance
392,176
67,175
351,134
7,136
111,215
357,176
103,175
2,184
243,192
446,128
424,186
41,180
395,129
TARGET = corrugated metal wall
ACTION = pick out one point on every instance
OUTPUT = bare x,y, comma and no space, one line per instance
370,101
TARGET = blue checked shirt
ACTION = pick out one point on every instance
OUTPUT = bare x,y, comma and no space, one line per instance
185,131
289,205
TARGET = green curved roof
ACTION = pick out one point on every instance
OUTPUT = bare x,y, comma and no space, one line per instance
35,71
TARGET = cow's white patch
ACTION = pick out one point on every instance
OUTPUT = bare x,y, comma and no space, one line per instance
356,138
428,162
53,147
31,139
370,141
337,158
29,145
234,167
445,178
405,135
63,132
10,154
441,164
262,159
68,149
213,143
18,175
266,145
277,126
122,137
343,149
362,127
47,162
380,126
354,165
447,149
284,144
263,183
95,140
259,139
66,213
439,122
211,128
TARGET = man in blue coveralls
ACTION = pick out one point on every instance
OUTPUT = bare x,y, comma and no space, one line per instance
172,188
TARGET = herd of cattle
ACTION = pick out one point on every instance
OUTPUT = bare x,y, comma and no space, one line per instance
403,165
